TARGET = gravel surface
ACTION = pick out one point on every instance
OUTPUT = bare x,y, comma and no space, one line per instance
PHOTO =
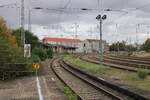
25,88
84,90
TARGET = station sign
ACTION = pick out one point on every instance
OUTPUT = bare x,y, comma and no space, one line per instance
27,50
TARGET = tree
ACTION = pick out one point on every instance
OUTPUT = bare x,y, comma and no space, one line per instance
10,52
122,46
49,53
146,46
40,52
30,38
118,46
36,49
130,48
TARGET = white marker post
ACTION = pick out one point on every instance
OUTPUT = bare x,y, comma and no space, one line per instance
36,67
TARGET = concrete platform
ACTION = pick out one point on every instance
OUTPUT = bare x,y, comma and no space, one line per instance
25,88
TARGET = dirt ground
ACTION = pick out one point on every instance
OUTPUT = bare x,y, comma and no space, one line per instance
25,88
142,54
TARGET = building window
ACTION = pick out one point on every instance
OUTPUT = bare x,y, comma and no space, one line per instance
84,45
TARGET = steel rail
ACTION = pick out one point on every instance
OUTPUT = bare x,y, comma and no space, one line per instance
123,91
64,66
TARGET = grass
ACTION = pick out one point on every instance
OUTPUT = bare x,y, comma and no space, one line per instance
69,93
119,76
87,66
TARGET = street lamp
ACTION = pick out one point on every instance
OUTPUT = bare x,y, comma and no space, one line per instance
101,18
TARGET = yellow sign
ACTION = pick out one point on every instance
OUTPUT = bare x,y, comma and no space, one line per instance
36,66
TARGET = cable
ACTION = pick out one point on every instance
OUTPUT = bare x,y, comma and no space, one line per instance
67,4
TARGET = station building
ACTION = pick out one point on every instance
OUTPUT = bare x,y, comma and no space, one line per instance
66,45
63,45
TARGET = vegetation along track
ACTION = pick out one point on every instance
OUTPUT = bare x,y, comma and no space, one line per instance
146,59
90,87
126,62
117,66
139,61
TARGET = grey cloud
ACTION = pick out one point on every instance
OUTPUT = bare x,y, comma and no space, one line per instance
56,20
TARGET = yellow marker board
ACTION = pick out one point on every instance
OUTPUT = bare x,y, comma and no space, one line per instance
36,66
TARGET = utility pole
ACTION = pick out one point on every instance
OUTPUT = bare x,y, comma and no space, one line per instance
137,27
91,33
101,18
76,34
22,25
29,20
118,37
101,44
148,32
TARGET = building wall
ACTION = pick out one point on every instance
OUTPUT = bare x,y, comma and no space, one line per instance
78,45
86,46
94,46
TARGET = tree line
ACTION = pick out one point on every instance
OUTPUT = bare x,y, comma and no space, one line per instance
12,60
123,46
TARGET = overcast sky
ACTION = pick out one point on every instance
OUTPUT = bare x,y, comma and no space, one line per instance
121,23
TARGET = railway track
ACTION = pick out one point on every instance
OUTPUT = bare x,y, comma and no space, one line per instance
125,62
132,58
117,66
128,60
90,87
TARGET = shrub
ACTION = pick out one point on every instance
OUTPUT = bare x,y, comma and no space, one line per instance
35,58
142,74
49,53
70,94
39,51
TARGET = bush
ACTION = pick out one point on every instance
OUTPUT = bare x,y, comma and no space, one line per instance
40,52
142,74
49,53
35,58
70,94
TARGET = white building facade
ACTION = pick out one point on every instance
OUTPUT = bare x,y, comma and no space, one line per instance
93,46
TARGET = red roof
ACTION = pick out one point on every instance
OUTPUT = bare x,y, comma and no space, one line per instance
95,40
61,39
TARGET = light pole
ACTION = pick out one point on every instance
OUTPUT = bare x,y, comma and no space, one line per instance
101,18
76,34
22,26
29,21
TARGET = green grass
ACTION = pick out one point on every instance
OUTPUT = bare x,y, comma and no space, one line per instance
119,76
87,66
69,93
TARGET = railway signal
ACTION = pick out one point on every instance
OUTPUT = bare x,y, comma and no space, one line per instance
101,18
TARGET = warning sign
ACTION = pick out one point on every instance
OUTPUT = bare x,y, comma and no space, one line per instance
36,66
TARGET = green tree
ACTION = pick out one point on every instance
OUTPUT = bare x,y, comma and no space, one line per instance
118,46
130,48
30,38
146,46
39,51
49,53
36,49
